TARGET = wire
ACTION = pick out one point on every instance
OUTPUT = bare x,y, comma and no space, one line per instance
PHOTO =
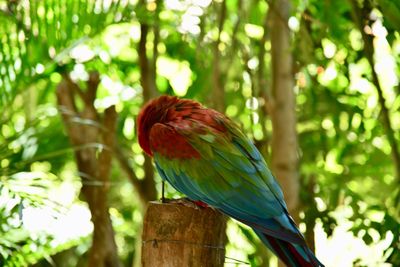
155,242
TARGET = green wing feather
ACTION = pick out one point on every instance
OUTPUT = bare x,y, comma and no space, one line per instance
230,175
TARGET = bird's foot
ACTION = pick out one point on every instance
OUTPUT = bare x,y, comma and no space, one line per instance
200,204
188,203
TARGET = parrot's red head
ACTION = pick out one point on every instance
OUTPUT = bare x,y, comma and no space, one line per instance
174,112
159,110
153,112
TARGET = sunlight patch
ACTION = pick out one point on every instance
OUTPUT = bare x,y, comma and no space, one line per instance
177,72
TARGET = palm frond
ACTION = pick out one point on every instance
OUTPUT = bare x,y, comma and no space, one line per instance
34,33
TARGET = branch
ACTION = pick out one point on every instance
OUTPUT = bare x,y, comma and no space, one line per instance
221,20
92,85
156,32
236,28
68,110
144,191
262,83
108,136
147,68
75,88
146,187
126,166
218,94
359,16
282,16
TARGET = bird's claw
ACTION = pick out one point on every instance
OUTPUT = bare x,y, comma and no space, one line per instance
187,203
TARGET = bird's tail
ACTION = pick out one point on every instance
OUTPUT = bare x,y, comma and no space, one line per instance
293,255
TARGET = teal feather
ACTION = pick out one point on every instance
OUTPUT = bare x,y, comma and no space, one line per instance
227,178
217,164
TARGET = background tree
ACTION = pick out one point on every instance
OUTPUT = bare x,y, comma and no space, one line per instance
339,71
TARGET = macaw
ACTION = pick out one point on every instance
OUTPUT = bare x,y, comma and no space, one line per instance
204,155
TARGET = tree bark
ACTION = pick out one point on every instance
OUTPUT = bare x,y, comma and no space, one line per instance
217,96
147,64
146,187
95,137
282,106
175,234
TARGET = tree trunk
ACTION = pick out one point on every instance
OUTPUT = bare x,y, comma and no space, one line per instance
148,73
284,136
93,139
217,96
175,234
282,107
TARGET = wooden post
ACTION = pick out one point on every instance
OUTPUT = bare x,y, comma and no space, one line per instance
176,234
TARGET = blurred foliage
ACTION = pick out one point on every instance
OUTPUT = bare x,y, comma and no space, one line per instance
344,152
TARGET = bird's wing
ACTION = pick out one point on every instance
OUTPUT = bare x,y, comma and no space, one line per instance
227,173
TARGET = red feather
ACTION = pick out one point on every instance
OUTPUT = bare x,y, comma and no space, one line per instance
164,126
166,141
156,118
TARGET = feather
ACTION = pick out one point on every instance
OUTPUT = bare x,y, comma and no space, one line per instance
205,156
